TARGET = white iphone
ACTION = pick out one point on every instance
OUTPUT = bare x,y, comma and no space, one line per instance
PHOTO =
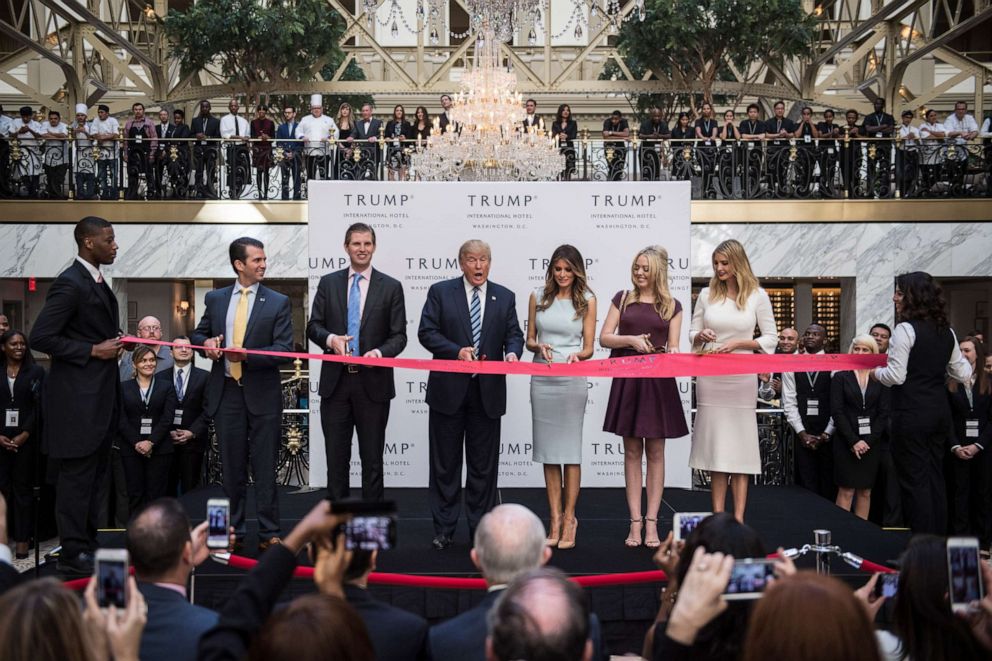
684,523
111,577
218,523
964,572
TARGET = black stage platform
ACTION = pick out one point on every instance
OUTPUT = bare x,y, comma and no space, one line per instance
783,516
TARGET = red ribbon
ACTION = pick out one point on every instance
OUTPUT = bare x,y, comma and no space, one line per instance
645,366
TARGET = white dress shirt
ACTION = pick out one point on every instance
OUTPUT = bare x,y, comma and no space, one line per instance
909,134
57,149
94,271
186,371
232,309
903,339
790,399
316,131
363,289
108,148
229,121
4,125
965,125
26,139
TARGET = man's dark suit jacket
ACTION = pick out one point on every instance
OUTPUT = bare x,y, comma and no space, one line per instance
359,132
270,328
174,625
397,635
445,328
193,404
81,393
10,578
161,408
464,637
209,127
383,327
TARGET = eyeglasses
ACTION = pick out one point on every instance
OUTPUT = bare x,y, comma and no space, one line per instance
150,328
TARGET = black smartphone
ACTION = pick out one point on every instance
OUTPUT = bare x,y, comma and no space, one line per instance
886,585
372,526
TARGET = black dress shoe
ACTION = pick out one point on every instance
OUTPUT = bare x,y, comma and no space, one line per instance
81,565
441,542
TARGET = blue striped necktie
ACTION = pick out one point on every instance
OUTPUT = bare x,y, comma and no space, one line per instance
354,313
475,313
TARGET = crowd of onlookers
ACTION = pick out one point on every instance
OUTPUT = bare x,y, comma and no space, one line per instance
235,155
530,611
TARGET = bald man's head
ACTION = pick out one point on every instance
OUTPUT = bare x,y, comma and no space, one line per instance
814,338
150,328
508,542
788,340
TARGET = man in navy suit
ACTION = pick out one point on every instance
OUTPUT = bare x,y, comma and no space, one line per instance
290,165
397,635
468,318
244,393
163,552
357,311
189,425
366,135
79,328
509,543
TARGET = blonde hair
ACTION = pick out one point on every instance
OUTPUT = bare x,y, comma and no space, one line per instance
351,114
474,245
657,258
747,283
864,340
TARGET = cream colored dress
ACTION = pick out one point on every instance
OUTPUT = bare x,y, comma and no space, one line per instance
725,433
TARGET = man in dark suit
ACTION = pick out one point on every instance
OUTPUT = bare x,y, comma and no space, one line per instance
189,426
357,311
531,119
509,543
366,135
444,121
206,129
164,552
290,164
468,318
397,635
79,329
244,393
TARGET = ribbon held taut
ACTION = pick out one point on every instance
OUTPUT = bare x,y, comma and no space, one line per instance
653,365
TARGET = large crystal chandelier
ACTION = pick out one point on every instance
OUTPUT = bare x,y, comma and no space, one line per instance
489,143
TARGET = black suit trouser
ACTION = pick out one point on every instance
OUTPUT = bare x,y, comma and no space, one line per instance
147,478
815,469
469,428
350,409
970,496
891,501
78,493
187,469
18,477
248,439
918,446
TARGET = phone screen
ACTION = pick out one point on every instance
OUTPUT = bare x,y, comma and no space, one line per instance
749,579
688,523
368,533
111,582
218,515
965,574
887,585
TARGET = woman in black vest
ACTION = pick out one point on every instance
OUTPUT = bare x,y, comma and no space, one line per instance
969,464
860,410
19,435
923,352
148,406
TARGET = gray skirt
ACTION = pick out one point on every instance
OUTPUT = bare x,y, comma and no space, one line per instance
558,405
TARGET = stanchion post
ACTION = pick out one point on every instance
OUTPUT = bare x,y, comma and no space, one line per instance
821,539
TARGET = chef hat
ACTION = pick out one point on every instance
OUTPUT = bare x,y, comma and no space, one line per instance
316,100
81,108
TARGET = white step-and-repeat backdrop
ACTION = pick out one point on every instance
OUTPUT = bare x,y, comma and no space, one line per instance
419,228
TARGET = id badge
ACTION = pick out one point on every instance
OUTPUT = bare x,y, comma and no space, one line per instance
878,135
177,419
12,418
146,426
203,142
137,139
830,150
709,142
970,428
750,145
807,138
864,424
813,407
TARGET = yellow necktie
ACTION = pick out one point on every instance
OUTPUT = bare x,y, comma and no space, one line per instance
240,326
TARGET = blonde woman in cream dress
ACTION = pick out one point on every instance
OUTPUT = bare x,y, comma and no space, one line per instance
725,433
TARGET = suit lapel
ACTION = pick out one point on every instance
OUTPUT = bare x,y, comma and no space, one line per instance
490,311
106,296
341,292
256,309
373,296
461,304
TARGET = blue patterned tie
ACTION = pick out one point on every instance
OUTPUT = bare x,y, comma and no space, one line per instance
475,312
354,313
179,385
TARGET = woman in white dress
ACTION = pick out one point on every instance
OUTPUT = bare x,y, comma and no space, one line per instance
725,434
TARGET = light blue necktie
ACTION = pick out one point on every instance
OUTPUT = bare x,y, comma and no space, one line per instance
475,313
179,385
354,313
